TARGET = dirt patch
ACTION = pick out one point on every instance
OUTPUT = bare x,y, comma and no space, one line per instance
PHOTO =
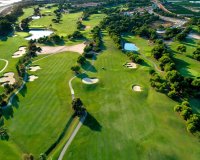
8,78
90,80
19,53
32,78
131,65
87,27
34,68
79,48
136,88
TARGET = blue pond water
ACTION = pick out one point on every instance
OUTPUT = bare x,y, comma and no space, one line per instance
130,47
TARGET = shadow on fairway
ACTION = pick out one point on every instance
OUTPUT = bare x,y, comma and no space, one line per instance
8,112
23,91
181,64
15,101
53,146
92,123
89,67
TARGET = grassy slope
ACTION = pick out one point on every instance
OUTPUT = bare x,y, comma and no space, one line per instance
65,27
185,63
124,124
42,110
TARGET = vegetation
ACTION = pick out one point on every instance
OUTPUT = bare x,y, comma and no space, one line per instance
29,128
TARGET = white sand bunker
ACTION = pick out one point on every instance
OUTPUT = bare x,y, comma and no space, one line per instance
131,65
194,36
90,80
8,78
79,48
32,78
34,68
19,53
136,88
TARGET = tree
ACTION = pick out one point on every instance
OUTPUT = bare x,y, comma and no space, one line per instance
178,108
42,156
77,105
172,94
191,128
174,76
81,60
196,54
3,133
76,68
5,27
158,51
33,49
186,113
181,48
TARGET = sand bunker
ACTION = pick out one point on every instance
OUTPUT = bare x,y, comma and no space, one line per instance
32,78
8,78
131,65
87,27
19,53
79,48
34,68
90,80
194,36
136,88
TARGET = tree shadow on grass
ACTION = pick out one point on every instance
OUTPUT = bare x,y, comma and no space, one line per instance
49,150
92,123
89,67
180,64
15,102
144,63
23,90
8,112
82,75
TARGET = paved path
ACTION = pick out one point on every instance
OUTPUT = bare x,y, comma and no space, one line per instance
5,65
79,124
72,137
154,64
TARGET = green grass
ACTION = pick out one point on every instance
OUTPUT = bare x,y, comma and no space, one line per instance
27,13
2,64
9,151
65,27
185,64
42,110
8,48
94,20
123,124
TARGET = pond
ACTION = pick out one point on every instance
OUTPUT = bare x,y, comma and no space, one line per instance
130,47
36,34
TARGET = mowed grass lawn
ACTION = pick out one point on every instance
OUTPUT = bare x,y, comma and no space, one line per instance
65,27
2,64
123,124
186,65
42,110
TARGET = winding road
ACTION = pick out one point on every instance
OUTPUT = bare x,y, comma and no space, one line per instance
5,65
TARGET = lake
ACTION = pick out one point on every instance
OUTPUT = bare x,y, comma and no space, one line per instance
36,34
130,47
